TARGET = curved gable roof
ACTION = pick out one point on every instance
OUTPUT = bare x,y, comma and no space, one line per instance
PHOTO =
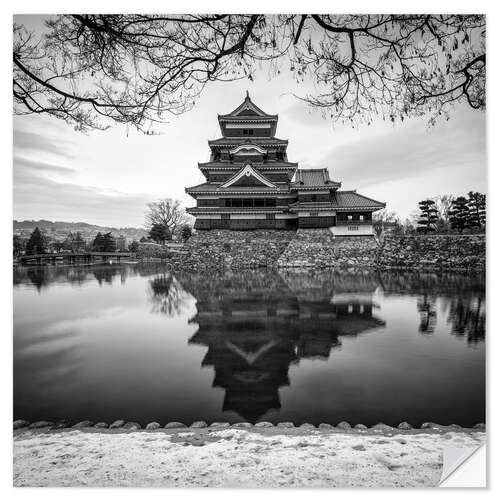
248,109
248,171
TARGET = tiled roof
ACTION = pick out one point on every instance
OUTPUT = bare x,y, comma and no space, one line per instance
313,177
248,108
342,200
236,141
269,165
351,199
210,187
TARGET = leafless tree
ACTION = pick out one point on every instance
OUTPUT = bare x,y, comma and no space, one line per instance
93,70
382,219
444,204
166,212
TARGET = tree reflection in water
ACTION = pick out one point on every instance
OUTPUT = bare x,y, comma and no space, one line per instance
426,307
166,295
467,316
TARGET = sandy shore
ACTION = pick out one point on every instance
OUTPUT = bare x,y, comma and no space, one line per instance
265,457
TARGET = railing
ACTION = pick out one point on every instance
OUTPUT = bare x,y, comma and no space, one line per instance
88,256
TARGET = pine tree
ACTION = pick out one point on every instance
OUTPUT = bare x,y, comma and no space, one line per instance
134,246
428,216
186,232
477,209
459,214
160,233
109,243
98,243
36,244
78,242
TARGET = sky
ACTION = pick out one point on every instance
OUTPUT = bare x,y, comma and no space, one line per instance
108,177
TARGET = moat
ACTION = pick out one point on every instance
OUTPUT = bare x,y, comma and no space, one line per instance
139,343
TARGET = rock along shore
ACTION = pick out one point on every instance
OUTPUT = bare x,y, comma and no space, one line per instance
238,455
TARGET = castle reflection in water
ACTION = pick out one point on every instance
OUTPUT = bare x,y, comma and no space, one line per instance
255,324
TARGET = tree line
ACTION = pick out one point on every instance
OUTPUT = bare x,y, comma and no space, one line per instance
443,214
38,243
455,214
165,220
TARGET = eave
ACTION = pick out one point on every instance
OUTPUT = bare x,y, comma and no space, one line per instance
269,165
233,210
319,206
222,192
225,142
330,185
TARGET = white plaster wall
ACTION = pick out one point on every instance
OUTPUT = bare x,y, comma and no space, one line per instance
285,216
320,213
362,230
248,216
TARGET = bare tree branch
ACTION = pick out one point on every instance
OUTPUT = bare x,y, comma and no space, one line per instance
93,70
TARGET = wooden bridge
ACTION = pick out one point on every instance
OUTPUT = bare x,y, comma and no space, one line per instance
73,258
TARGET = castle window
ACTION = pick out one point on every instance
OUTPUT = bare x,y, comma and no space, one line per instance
270,216
247,131
349,217
361,217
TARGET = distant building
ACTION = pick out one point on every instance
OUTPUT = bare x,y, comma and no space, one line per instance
121,242
250,184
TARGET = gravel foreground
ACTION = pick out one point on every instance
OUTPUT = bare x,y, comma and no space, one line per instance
233,457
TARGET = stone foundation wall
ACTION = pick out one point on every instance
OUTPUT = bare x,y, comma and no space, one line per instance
218,249
460,252
320,248
152,251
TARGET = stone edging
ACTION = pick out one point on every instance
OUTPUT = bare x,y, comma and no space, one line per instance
342,426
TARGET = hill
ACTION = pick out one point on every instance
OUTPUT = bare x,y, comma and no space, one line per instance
61,229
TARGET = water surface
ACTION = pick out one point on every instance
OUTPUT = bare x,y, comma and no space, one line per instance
142,344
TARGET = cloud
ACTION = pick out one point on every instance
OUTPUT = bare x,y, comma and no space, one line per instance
28,141
301,112
39,197
40,167
410,151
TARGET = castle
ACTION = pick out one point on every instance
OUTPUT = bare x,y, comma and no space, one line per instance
250,184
